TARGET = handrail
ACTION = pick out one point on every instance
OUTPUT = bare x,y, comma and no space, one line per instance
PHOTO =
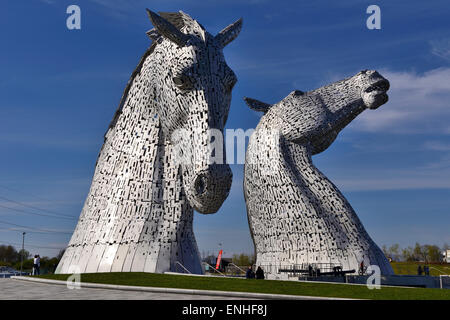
178,262
214,269
438,270
441,285
238,267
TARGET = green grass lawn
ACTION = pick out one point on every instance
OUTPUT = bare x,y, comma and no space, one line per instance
410,268
259,286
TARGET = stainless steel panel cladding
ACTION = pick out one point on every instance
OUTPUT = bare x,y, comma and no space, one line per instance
296,215
138,214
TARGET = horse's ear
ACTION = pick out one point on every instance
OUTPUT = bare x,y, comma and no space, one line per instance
166,29
257,105
230,33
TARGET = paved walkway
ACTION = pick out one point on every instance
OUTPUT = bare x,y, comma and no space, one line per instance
24,290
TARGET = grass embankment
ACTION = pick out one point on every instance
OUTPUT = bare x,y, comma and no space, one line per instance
259,286
410,268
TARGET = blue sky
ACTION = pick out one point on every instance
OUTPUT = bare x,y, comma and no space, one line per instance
59,89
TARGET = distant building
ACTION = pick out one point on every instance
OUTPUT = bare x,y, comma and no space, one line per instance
224,262
447,256
212,260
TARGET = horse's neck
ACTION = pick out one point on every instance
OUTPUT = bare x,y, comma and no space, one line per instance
346,115
148,160
298,159
324,196
136,125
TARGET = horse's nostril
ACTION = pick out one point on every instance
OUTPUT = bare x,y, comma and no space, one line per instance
200,185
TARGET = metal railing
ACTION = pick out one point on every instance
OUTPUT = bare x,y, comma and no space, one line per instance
211,267
294,270
232,264
412,269
443,285
442,273
184,268
8,275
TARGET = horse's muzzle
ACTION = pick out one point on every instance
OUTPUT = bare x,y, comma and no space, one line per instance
210,188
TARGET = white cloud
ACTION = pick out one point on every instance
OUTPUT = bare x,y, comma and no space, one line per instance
431,175
395,182
436,146
441,48
418,103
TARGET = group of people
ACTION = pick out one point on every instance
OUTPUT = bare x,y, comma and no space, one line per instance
425,270
259,274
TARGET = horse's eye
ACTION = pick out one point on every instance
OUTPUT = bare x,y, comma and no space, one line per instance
183,82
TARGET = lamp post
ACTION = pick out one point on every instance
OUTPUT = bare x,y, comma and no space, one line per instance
23,250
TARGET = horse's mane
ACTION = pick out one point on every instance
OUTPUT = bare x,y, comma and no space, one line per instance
136,71
181,21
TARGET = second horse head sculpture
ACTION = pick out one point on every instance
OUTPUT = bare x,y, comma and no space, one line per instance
296,215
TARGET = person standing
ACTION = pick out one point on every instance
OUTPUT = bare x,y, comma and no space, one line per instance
419,270
36,265
361,268
250,274
259,273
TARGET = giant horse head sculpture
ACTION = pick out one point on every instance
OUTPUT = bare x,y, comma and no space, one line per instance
156,164
193,85
296,215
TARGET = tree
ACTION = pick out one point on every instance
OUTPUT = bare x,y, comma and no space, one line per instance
27,265
419,253
433,253
60,254
26,254
394,252
8,254
385,250
408,254
243,259
210,259
10,257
